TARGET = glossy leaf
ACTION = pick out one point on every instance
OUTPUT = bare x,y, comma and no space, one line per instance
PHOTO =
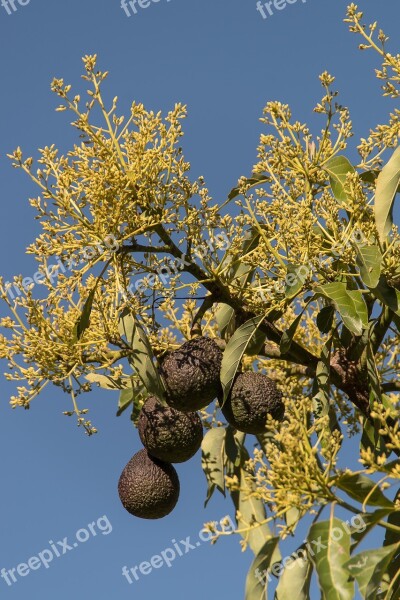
295,278
83,322
361,308
142,357
363,489
369,261
373,373
369,567
256,343
252,511
386,189
294,583
213,459
321,386
109,383
387,295
393,537
235,350
259,575
129,397
371,439
363,523
225,317
344,304
325,319
287,336
255,179
338,167
329,542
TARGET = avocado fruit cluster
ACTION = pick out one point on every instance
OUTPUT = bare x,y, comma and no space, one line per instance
149,485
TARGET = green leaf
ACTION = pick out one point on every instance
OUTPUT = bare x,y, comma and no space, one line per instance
235,350
287,336
125,399
371,439
393,537
387,295
252,511
369,176
109,383
255,179
142,357
83,322
344,304
361,308
368,568
235,452
369,521
337,168
256,343
258,575
295,278
225,317
372,370
329,542
225,314
292,517
250,508
213,459
386,189
130,396
369,261
321,387
325,319
265,438
294,583
364,490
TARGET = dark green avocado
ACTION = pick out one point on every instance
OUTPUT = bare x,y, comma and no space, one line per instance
168,434
192,374
253,396
148,487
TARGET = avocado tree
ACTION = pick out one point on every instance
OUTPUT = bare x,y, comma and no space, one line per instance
292,286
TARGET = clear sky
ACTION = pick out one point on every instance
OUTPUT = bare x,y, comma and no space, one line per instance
225,61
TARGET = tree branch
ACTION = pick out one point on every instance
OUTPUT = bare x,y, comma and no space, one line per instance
391,386
380,330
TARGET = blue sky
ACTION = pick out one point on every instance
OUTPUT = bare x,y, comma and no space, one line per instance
225,62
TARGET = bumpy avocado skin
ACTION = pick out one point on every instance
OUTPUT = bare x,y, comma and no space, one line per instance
252,398
192,374
148,488
168,434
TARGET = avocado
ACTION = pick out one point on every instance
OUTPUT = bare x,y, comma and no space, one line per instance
168,434
192,374
253,396
148,487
